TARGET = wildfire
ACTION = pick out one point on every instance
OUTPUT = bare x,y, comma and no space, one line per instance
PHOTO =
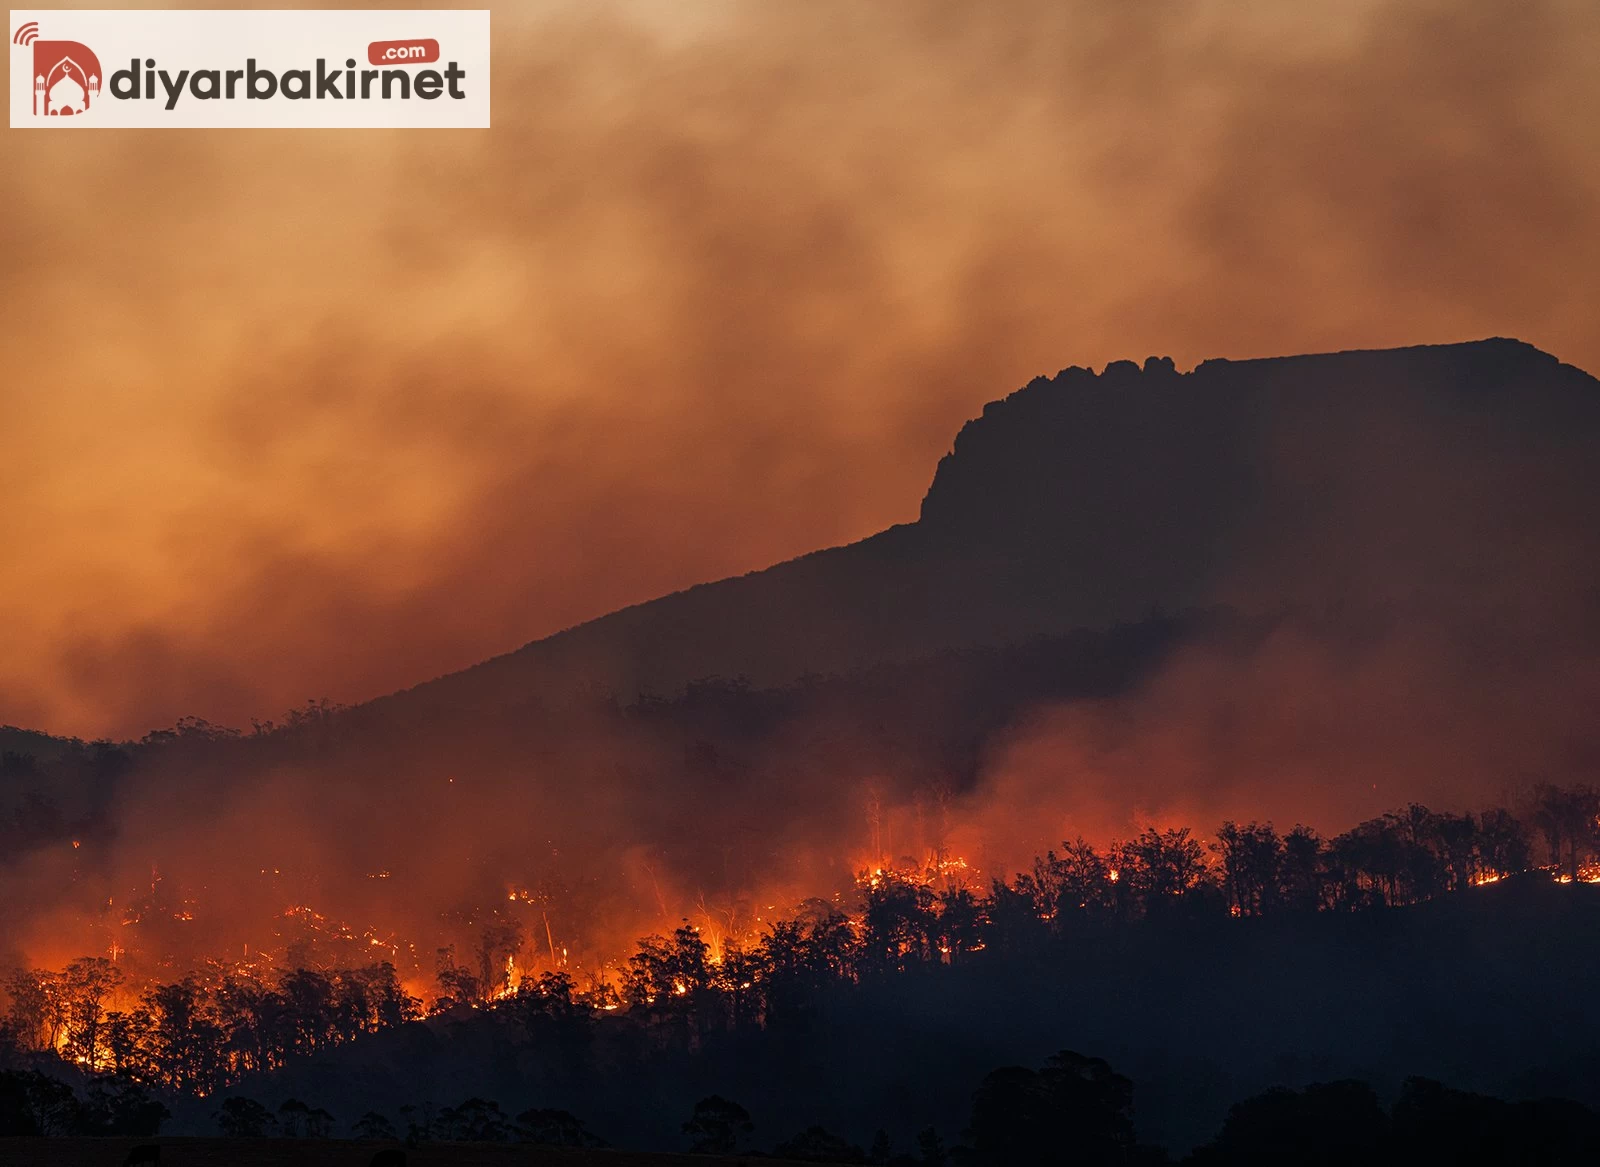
1590,874
932,881
952,872
509,987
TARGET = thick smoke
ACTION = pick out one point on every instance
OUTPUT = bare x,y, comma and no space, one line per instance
1300,728
302,414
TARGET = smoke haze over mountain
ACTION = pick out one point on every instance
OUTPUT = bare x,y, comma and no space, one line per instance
328,414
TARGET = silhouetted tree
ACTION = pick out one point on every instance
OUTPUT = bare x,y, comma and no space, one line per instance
186,1031
1371,863
1432,1123
1073,886
717,1126
1074,1110
419,1123
1302,871
458,985
555,1128
85,985
373,1125
292,1115
116,1107
499,941
1016,916
130,1051
669,981
1160,869
1337,1124
244,1118
1252,867
1569,820
476,1120
1503,846
552,1018
897,924
1454,839
959,924
36,1014
736,978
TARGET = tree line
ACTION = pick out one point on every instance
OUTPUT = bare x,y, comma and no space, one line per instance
197,1034
203,1033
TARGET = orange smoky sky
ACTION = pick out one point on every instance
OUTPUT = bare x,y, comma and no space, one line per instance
294,414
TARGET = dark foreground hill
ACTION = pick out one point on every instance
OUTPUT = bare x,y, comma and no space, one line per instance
1454,477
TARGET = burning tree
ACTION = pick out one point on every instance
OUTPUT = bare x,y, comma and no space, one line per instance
1569,820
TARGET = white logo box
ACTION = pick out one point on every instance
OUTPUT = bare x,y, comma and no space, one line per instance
429,69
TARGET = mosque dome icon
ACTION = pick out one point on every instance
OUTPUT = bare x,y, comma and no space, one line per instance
66,78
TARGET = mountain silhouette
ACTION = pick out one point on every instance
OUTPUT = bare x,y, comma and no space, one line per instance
1455,480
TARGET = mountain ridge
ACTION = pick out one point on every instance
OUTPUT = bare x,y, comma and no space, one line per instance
1047,464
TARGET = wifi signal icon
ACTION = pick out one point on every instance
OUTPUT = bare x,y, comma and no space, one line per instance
27,34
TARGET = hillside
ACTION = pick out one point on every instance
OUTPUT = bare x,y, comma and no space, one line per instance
1369,480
